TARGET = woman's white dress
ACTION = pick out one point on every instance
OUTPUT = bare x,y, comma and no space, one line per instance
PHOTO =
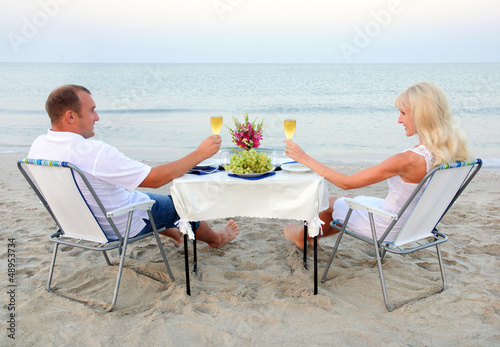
399,192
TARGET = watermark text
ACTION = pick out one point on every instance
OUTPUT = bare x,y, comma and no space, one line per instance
364,36
31,25
11,288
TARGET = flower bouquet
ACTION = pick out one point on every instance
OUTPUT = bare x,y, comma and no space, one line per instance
247,135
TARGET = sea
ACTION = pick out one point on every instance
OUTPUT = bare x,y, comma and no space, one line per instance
345,113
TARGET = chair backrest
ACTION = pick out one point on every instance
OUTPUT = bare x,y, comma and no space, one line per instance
442,186
54,182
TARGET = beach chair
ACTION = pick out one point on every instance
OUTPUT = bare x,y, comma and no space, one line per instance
439,190
54,182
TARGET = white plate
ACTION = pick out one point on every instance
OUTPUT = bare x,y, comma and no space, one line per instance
250,175
295,167
206,164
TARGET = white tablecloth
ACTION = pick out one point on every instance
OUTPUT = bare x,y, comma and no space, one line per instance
285,195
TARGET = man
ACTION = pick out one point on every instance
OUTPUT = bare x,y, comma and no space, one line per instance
113,175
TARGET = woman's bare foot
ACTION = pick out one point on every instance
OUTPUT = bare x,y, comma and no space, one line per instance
225,235
295,233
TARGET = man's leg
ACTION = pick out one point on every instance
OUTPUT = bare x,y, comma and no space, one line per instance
165,215
217,238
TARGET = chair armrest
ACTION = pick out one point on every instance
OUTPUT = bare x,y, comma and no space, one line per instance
358,205
143,205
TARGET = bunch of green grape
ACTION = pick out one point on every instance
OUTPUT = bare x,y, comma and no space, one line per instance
248,162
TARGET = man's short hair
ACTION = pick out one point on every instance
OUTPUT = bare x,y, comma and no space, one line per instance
62,99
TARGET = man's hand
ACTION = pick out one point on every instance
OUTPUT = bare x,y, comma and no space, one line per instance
209,146
165,173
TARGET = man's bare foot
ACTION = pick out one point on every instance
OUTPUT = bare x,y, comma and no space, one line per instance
226,234
295,233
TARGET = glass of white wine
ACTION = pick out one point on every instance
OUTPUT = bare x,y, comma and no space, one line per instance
290,128
216,124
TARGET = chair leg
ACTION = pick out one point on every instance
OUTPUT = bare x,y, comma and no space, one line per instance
380,255
382,280
341,234
107,258
329,263
441,267
379,263
123,252
158,240
383,252
51,271
118,279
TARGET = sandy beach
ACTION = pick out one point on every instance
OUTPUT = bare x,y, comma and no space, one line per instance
254,290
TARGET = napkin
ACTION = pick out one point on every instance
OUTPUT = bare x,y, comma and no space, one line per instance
254,178
203,171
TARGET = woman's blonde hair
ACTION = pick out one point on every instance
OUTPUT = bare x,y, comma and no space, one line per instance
434,123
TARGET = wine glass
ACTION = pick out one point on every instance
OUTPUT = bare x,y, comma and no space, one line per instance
290,128
275,160
216,124
224,160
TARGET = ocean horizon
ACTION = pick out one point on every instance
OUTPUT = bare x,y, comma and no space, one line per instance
160,112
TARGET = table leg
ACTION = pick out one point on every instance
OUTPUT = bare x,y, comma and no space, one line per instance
186,263
195,255
304,261
315,265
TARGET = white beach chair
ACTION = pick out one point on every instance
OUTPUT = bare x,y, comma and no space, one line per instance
55,185
441,188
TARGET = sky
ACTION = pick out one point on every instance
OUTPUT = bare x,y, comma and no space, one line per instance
250,31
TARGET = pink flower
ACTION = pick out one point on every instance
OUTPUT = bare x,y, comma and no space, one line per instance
247,135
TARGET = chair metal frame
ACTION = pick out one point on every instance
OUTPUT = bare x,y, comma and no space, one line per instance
28,169
406,246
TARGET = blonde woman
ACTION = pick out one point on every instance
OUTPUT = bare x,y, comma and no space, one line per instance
424,111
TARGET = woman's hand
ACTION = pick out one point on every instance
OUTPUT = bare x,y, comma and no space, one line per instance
294,151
